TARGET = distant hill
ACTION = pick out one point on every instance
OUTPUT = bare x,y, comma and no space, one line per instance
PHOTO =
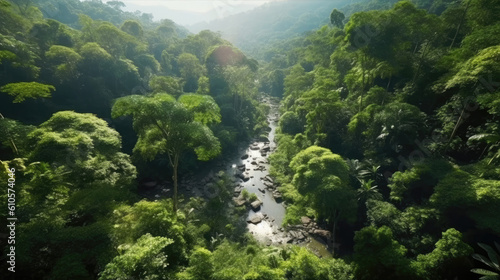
272,22
67,11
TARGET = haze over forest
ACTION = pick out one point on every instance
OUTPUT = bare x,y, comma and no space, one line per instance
292,140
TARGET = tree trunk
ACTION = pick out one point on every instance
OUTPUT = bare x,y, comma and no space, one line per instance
12,144
334,229
459,25
388,84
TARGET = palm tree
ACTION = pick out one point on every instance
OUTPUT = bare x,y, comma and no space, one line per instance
368,191
492,261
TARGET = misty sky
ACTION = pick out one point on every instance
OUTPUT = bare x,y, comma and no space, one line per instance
188,12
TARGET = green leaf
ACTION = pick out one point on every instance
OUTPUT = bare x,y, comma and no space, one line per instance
491,254
484,272
483,260
485,137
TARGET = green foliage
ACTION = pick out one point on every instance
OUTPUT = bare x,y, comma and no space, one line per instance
165,84
203,107
303,265
245,194
167,126
191,70
145,259
416,184
201,265
25,90
253,197
378,256
337,18
155,218
14,135
448,258
491,261
322,177
85,146
133,28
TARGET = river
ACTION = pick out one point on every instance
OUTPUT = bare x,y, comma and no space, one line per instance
269,230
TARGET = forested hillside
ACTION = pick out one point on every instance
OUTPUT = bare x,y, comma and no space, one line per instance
116,131
407,101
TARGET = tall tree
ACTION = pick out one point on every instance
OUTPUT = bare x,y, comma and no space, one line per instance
169,126
337,18
322,177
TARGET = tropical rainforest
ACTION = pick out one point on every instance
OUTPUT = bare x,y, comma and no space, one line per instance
385,150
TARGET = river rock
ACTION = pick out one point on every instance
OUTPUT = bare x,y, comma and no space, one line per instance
263,138
269,185
261,190
254,147
245,156
322,233
305,220
239,201
255,219
277,197
268,241
256,205
242,176
297,235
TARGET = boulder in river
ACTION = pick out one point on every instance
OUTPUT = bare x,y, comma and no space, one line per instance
277,197
245,156
256,205
254,147
255,219
263,138
242,176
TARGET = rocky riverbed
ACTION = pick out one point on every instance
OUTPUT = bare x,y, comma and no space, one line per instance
249,170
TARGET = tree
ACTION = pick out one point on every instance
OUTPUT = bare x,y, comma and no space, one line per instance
191,70
378,256
167,126
143,260
337,18
201,266
23,90
304,265
449,258
241,86
165,84
151,217
95,60
75,177
65,60
13,130
133,28
322,177
84,145
117,5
